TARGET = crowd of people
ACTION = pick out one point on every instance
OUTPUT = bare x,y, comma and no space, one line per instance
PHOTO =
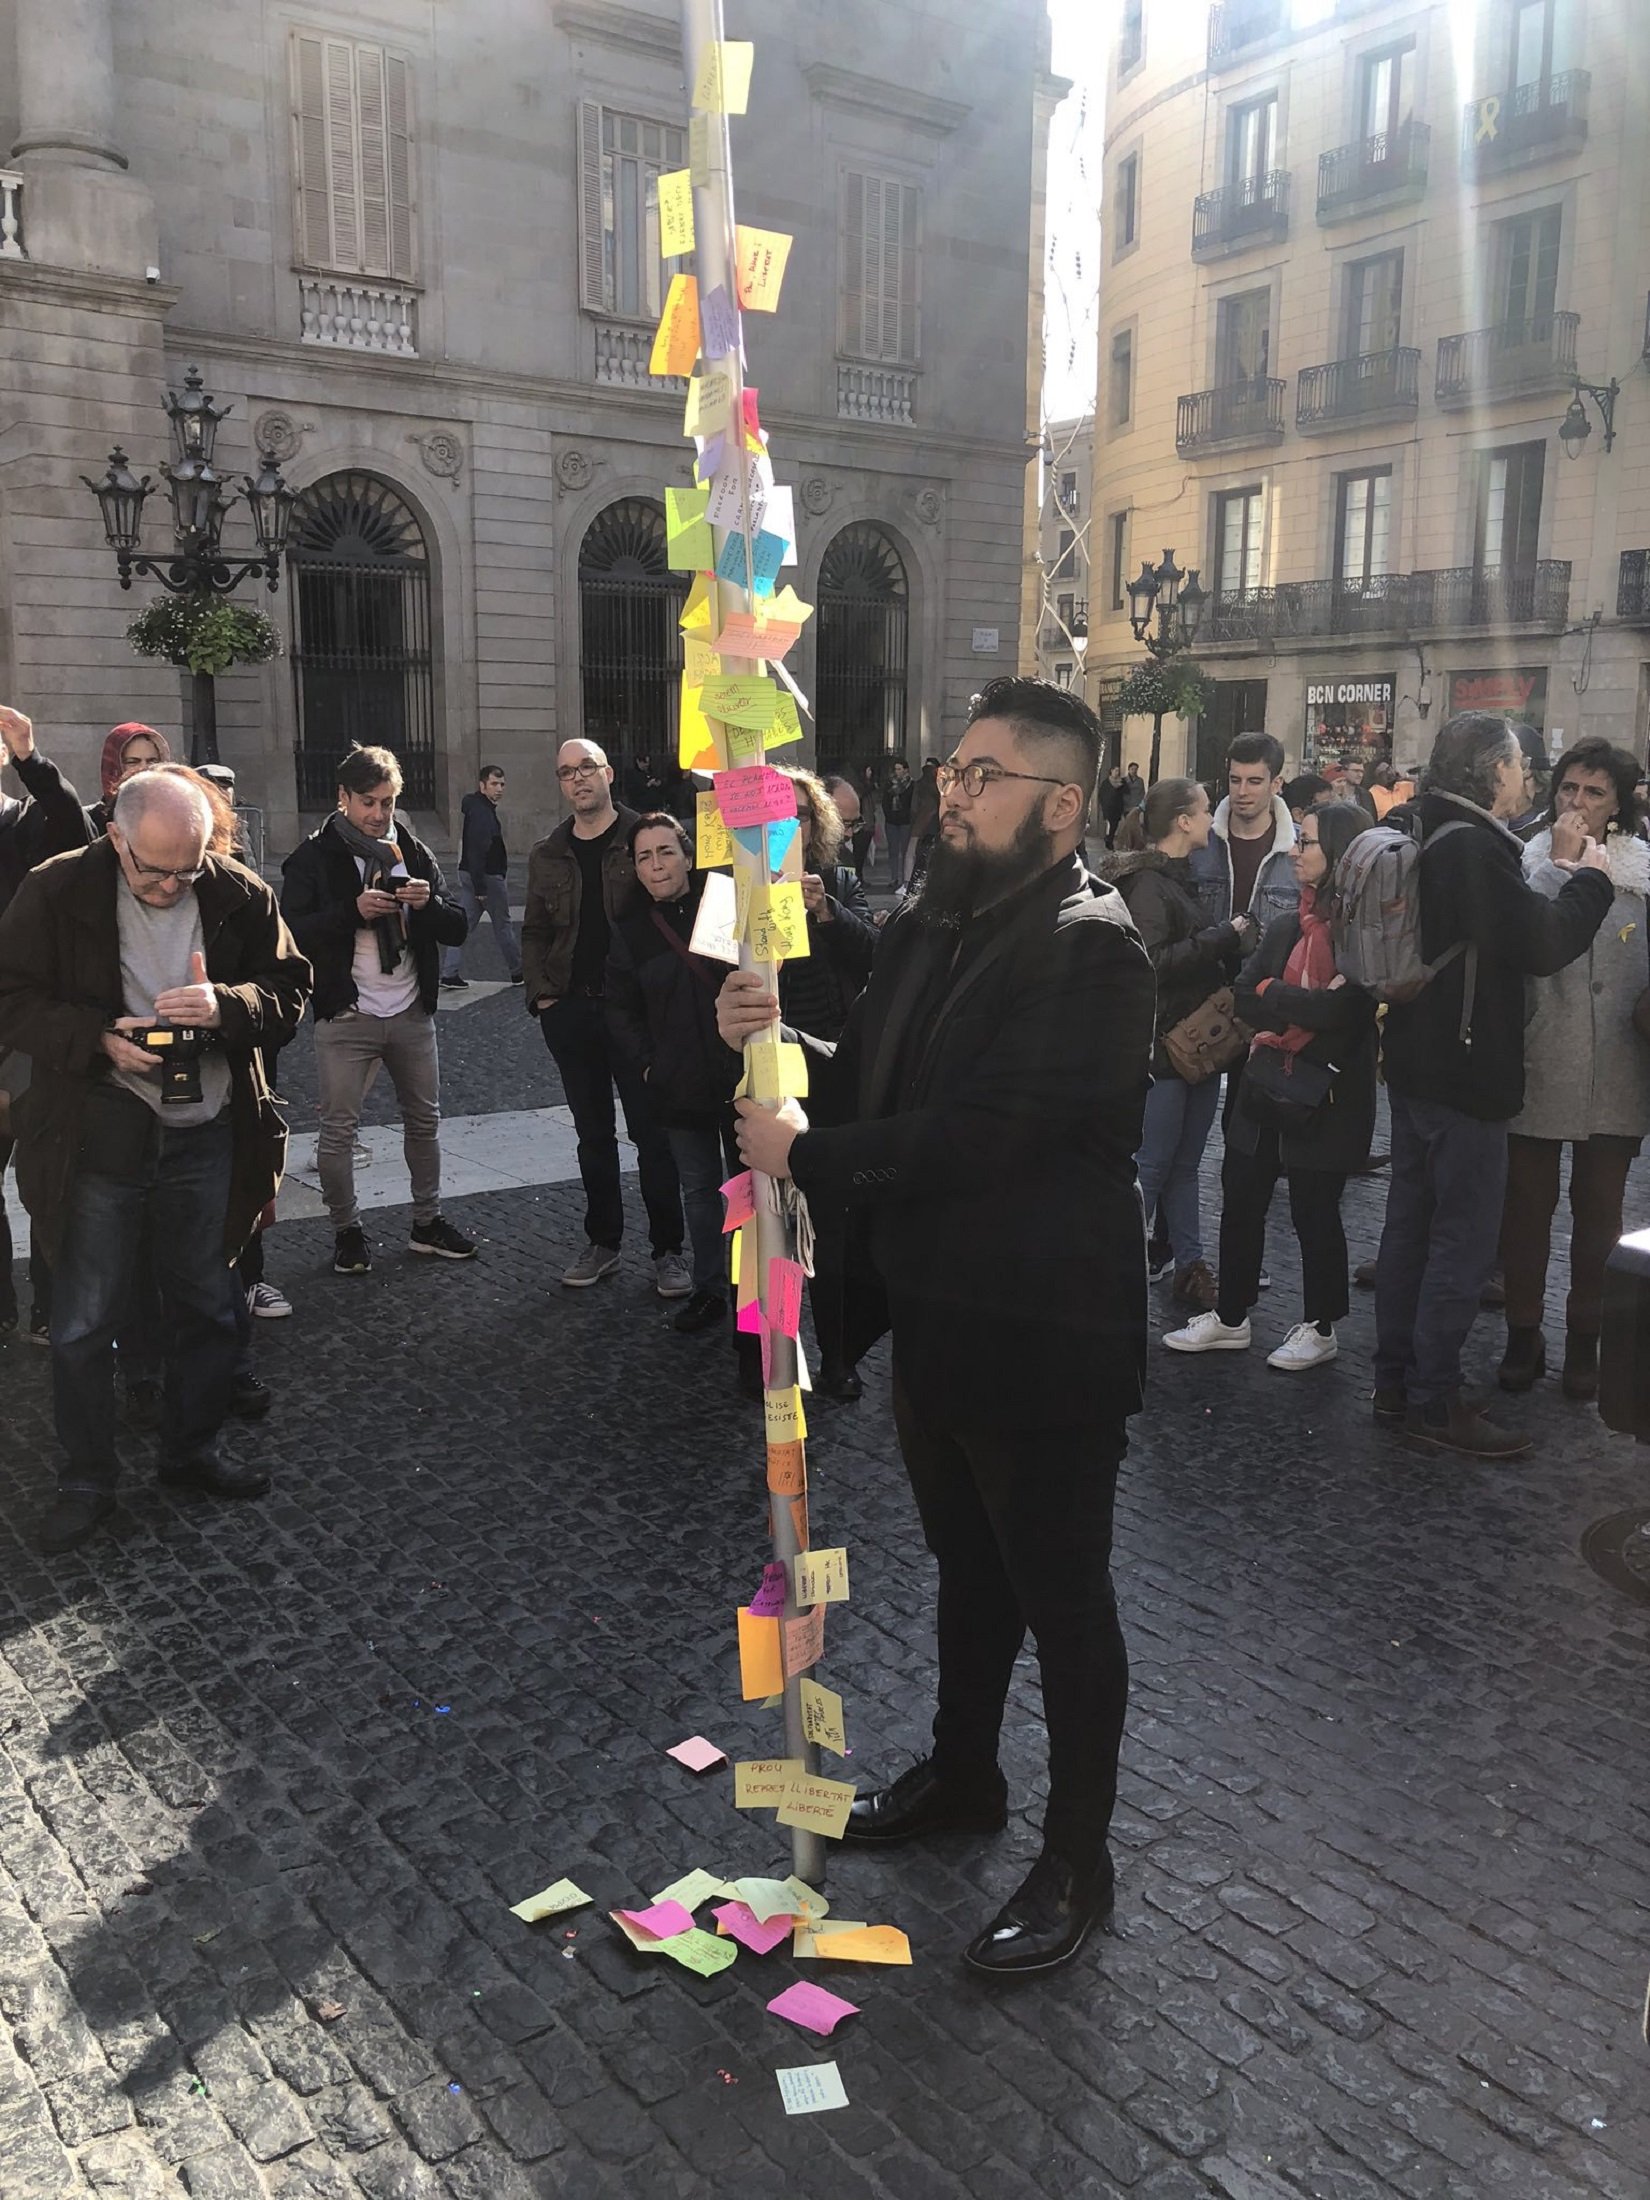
1015,1069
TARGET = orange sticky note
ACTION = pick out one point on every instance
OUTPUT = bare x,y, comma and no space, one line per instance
864,1944
676,342
759,268
787,1474
799,1521
761,1672
804,1640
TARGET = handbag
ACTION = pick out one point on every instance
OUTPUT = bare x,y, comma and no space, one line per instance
1284,1091
1207,1041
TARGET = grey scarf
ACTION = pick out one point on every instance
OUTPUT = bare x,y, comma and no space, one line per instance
381,858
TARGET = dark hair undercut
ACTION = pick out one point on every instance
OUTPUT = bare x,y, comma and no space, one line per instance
1044,715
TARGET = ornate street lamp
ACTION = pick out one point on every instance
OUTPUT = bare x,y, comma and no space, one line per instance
1575,427
196,567
1177,601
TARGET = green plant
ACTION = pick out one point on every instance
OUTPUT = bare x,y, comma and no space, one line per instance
1172,688
203,634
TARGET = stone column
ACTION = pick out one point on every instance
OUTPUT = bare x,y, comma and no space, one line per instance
80,207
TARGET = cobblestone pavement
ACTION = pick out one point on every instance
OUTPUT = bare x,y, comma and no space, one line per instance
1382,1915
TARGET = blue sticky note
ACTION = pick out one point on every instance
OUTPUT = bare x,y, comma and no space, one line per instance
710,458
767,550
718,324
781,833
749,837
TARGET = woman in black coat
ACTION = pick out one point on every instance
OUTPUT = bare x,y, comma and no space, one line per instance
661,1015
1289,988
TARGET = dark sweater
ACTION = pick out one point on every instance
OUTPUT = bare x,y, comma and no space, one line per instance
1342,1022
817,990
481,849
320,883
661,1012
49,821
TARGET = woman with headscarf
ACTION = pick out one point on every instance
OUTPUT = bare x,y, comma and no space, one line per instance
128,749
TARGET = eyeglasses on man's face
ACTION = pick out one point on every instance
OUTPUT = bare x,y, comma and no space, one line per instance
155,872
975,778
586,770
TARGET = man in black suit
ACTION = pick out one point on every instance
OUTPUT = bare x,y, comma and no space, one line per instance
981,1112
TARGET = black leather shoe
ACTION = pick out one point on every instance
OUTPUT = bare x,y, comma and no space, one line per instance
1046,1921
1580,1378
839,1382
215,1477
75,1514
145,1406
920,1802
250,1400
1525,1360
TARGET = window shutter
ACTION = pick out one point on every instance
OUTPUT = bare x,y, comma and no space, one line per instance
593,288
853,262
398,141
375,178
312,227
910,276
343,181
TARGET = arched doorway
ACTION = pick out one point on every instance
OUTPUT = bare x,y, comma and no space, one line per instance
361,655
859,685
630,645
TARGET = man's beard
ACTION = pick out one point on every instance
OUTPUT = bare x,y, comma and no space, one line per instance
961,881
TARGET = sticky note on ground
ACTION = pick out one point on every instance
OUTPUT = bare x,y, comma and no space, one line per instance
814,2086
820,1805
760,1670
822,1718
660,1920
810,1903
765,1898
699,1951
698,1754
562,1895
760,1783
812,1930
863,1944
760,1935
821,1576
691,1889
814,2007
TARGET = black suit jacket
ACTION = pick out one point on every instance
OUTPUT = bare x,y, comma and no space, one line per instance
999,1189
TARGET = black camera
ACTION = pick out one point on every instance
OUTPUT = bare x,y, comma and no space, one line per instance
178,1049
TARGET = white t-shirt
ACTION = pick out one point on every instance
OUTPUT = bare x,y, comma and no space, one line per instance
380,992
155,947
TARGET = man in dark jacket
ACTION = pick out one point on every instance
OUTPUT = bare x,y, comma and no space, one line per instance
368,905
1455,1075
581,882
484,877
146,931
983,1109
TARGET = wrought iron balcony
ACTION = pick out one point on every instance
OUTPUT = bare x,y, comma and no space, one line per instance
1385,170
1514,359
1530,122
1237,415
1254,211
1461,596
1240,24
1633,587
1309,611
1376,385
11,216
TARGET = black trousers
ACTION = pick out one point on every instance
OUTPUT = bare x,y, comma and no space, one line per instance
1020,1522
1247,1181
575,1031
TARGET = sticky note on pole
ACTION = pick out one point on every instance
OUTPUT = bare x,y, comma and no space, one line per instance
786,1421
676,213
676,341
743,699
804,1641
761,1672
820,1805
822,1721
723,85
689,544
712,842
718,324
709,406
785,1302
774,1073
759,268
779,929
822,1577
787,1468
760,1782
753,797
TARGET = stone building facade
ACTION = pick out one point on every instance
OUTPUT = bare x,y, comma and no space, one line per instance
415,247
1356,256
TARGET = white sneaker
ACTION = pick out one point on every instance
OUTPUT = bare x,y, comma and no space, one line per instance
267,1303
1208,1333
1304,1347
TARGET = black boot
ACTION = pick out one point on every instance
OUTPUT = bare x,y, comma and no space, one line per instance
922,1801
1525,1360
1580,1378
76,1512
1044,1923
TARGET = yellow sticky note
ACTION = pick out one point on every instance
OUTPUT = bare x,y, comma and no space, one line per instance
822,1721
699,661
778,1073
760,1670
723,84
822,1577
822,1806
689,544
744,890
563,1895
789,607
698,613
676,341
778,923
699,149
709,406
810,1903
676,213
759,267
712,842
742,698
785,1418
695,736
864,1944
785,725
760,1783
691,1889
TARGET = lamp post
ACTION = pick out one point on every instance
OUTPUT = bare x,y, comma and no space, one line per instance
1575,427
196,566
1177,600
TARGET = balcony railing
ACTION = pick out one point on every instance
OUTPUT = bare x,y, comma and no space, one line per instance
11,216
1246,412
1241,24
883,394
1530,122
1391,605
1253,211
1516,357
622,355
1633,587
1377,171
1376,385
350,315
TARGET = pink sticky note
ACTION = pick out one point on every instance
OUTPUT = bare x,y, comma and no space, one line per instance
769,1600
785,1296
812,2006
664,1920
760,1939
755,795
698,1754
750,1318
766,1334
743,634
739,1195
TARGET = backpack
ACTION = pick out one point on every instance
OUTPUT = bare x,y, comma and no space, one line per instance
1378,919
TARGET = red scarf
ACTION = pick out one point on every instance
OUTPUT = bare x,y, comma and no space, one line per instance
1311,964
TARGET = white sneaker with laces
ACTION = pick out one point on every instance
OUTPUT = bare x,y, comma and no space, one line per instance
268,1304
1305,1346
1208,1333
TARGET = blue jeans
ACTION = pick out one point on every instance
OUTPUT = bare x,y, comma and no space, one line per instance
1438,1244
703,1168
1179,1118
899,839
494,896
182,1195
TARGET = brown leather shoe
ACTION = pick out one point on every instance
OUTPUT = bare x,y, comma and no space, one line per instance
1195,1287
1454,1426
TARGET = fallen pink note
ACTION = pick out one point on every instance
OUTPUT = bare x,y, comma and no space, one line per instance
813,2007
743,1925
698,1754
664,1920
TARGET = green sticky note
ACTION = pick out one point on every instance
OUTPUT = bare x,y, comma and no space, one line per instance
699,1951
691,1889
562,1896
689,544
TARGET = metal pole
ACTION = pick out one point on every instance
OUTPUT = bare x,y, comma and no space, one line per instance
773,1233
203,736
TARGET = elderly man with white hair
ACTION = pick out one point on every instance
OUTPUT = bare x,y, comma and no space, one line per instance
142,975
